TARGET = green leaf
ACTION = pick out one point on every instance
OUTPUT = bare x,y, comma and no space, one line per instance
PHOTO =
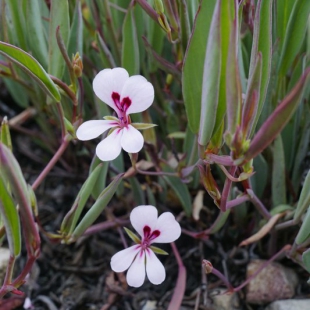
278,119
18,22
306,259
72,217
219,222
102,178
211,79
304,232
5,136
294,35
31,66
132,235
143,126
181,191
75,42
35,32
259,179
229,36
130,48
96,208
278,173
138,194
177,135
11,172
262,43
304,199
193,73
11,219
59,17
251,102
283,12
233,81
280,209
302,148
158,250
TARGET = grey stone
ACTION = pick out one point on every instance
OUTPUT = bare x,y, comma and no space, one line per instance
274,282
290,304
224,301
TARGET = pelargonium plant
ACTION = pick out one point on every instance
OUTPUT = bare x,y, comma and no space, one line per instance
125,95
140,258
231,79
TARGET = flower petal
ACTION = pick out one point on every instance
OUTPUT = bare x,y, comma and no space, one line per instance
123,259
92,129
140,92
155,270
108,81
136,273
142,216
169,228
110,147
132,140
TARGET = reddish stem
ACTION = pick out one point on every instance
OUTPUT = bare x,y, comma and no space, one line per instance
52,163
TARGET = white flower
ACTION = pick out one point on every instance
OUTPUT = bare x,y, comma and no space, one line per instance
140,258
125,95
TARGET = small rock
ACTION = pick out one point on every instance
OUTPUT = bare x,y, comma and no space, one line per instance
4,260
225,301
274,282
150,305
290,304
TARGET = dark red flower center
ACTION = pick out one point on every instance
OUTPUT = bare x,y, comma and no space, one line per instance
121,105
149,235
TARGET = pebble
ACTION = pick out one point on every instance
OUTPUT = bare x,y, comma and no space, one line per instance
290,304
274,282
224,301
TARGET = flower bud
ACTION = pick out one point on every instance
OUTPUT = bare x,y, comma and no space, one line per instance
77,65
159,7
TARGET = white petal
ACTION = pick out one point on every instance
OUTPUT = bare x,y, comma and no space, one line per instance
136,273
154,268
110,147
92,129
108,81
143,216
169,228
123,259
132,140
140,92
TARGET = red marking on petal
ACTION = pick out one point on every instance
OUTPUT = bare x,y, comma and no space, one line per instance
154,234
125,104
146,231
116,97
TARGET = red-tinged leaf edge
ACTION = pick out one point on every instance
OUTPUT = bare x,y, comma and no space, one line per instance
277,120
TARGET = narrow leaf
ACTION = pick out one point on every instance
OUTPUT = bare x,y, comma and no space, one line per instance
195,54
304,199
35,32
278,119
130,50
304,232
11,219
182,193
59,18
262,43
211,79
72,217
96,208
278,173
295,34
30,66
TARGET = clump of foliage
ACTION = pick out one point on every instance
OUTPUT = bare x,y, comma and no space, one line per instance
231,84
